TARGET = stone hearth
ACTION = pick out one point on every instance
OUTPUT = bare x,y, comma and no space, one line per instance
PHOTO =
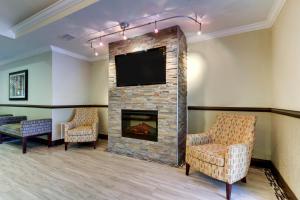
169,99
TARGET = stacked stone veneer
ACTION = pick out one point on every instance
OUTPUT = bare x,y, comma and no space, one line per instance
169,99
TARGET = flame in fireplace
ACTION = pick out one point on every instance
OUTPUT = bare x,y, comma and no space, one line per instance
141,129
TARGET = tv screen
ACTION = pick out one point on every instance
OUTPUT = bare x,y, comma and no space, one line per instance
141,68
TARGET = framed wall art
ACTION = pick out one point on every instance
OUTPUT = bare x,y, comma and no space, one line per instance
18,85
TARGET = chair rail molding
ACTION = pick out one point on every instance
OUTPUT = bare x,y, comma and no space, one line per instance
290,113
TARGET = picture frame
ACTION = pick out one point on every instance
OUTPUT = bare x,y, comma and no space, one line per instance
18,86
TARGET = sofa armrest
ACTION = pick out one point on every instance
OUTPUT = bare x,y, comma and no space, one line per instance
12,119
36,127
198,139
5,115
237,161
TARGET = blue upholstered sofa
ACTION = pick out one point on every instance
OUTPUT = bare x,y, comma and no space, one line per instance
20,127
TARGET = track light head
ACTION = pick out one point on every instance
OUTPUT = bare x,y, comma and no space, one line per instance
100,43
124,36
155,27
95,52
200,29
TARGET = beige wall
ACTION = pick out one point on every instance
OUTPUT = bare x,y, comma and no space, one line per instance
232,71
71,80
77,82
39,81
99,82
286,79
99,91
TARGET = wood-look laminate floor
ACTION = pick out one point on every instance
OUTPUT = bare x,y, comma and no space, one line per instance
85,173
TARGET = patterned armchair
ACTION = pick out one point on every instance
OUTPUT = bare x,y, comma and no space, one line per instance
224,151
83,127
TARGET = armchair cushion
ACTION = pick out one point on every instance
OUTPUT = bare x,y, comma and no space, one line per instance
210,153
80,130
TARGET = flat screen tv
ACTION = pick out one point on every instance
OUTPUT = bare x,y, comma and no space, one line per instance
141,68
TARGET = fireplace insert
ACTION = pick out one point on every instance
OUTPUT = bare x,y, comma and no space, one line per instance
140,124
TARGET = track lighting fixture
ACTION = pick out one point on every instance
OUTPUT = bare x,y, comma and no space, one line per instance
125,26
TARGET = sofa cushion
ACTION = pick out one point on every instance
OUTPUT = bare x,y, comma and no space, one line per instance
13,129
80,130
210,153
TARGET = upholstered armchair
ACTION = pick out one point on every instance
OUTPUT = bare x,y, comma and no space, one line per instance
224,151
83,127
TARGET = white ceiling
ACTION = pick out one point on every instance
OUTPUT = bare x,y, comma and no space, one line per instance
13,12
219,18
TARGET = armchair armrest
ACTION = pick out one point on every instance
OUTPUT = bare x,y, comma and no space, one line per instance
95,128
11,119
69,125
36,127
198,139
237,161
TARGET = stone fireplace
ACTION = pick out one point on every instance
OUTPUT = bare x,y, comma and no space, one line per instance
150,121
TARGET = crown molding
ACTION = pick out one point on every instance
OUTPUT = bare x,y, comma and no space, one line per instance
265,24
229,32
69,53
275,11
8,33
54,12
50,48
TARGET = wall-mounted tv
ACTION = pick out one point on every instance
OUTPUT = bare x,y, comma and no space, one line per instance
141,68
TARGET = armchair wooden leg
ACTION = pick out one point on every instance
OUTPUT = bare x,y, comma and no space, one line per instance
24,144
49,139
244,180
66,146
187,169
228,191
95,143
